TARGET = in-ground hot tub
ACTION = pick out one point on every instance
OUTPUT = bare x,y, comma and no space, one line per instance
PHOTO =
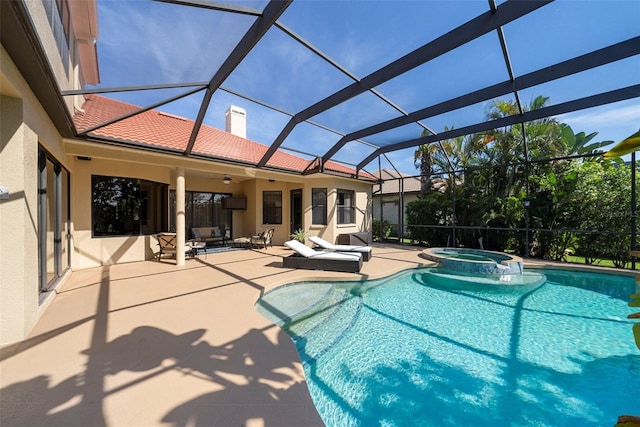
475,261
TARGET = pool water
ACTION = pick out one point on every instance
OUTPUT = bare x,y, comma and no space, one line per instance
471,255
406,351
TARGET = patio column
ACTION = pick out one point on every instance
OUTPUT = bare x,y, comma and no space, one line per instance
180,216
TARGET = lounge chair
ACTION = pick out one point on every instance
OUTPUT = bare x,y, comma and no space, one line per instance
309,259
364,250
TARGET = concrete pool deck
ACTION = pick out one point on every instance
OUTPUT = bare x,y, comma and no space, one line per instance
149,343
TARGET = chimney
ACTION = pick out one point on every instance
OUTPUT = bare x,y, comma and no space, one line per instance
236,121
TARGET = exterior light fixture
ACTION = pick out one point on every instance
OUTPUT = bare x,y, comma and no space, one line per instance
226,179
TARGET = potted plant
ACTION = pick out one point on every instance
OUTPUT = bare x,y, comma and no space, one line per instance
300,235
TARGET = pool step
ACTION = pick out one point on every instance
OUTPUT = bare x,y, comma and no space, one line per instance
292,302
325,312
327,328
311,318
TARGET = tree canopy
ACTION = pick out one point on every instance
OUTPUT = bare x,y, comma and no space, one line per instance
536,188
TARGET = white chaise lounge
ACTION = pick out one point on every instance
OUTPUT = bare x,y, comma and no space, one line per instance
364,250
309,259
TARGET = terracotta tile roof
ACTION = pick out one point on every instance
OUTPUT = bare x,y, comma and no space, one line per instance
157,129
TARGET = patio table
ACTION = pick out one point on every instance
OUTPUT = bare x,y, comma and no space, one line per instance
197,247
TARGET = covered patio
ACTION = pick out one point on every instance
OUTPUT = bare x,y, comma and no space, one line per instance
147,343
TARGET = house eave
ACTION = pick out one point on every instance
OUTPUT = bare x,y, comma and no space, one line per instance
84,15
18,37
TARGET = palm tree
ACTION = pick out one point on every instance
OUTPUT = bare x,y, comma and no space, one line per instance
423,160
578,143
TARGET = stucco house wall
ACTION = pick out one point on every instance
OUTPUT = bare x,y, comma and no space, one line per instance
91,251
388,205
23,126
390,211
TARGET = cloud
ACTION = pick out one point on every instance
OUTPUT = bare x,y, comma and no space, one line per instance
627,115
153,43
613,123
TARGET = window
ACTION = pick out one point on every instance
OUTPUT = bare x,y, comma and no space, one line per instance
346,207
319,206
59,18
127,206
272,207
202,209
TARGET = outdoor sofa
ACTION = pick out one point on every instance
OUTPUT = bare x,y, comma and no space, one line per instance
209,235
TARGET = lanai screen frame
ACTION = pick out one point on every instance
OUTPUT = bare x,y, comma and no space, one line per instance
492,20
267,19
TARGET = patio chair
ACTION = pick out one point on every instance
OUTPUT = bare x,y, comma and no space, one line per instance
364,250
168,243
263,238
309,259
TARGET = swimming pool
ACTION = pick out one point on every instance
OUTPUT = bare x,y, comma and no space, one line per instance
408,351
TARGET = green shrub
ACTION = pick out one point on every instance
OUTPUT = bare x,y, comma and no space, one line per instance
381,230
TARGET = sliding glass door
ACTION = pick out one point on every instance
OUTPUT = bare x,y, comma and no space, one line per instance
203,209
53,220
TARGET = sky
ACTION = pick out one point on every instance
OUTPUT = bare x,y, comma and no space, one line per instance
145,42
